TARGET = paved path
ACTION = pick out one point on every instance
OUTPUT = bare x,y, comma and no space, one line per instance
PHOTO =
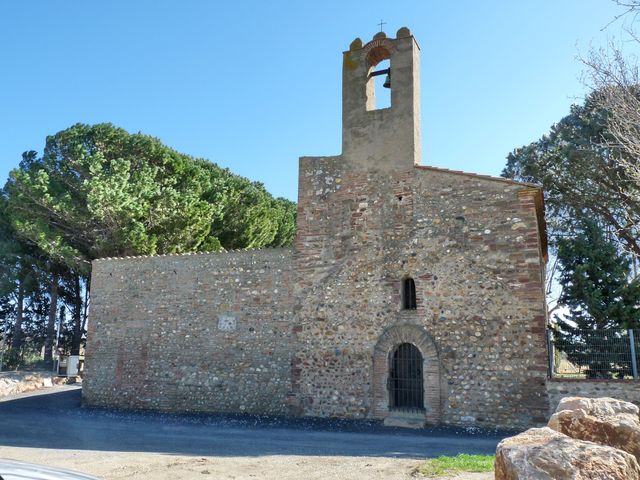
55,419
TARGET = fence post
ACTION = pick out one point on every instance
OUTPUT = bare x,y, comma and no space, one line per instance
550,354
634,362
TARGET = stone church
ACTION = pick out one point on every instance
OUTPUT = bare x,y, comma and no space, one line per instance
413,294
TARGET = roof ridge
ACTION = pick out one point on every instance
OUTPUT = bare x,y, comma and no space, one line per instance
210,252
478,175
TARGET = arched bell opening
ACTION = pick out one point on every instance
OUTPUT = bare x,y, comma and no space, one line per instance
378,82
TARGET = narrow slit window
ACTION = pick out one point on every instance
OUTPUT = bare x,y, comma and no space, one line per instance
409,294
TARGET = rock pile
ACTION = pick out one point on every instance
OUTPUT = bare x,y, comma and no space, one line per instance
12,383
587,438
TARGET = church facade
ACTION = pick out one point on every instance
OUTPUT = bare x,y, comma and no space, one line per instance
413,294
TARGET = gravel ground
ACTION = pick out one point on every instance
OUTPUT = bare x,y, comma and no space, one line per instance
51,427
149,466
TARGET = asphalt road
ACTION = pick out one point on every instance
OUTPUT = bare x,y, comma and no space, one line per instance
55,419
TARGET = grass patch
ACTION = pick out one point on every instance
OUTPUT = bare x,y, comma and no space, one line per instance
460,463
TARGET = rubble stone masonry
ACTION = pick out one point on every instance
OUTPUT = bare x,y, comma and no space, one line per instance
276,332
473,248
314,330
558,388
206,332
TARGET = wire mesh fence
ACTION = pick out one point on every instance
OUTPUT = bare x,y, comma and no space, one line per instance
594,354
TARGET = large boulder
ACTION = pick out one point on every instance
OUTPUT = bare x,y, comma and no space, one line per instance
606,421
600,407
544,454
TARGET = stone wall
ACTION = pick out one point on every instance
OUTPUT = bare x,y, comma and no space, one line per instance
473,246
206,332
312,333
627,390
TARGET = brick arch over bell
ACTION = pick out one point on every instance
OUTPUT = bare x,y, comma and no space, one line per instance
389,340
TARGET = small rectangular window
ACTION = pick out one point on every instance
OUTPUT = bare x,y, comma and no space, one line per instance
409,294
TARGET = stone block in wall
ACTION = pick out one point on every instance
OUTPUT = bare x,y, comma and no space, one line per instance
557,389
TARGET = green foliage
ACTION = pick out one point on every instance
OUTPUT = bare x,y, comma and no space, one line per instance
22,358
10,250
286,218
589,189
595,280
20,270
582,174
462,462
252,218
11,359
100,191
599,297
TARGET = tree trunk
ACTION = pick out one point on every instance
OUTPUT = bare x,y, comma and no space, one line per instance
16,343
51,323
77,317
87,299
62,317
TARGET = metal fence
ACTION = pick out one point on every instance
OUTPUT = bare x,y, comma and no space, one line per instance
594,354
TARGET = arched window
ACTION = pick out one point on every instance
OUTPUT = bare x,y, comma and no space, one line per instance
409,294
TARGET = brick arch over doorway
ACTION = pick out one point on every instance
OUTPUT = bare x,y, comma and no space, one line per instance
388,341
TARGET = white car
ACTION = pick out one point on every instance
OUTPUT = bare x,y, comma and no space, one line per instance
12,470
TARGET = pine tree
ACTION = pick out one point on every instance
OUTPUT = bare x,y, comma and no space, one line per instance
601,299
99,191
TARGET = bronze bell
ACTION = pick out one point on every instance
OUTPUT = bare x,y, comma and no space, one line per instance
387,81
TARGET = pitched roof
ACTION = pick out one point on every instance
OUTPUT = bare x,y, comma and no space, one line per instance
477,175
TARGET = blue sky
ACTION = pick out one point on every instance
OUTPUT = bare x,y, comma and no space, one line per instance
253,85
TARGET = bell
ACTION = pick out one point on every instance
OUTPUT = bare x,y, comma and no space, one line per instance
387,81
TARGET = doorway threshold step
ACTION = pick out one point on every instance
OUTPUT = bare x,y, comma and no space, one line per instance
405,420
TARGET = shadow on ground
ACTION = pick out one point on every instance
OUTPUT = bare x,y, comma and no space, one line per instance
55,419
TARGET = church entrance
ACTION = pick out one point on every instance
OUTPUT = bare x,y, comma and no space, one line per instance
406,391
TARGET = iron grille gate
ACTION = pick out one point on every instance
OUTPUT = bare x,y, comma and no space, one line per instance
405,378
